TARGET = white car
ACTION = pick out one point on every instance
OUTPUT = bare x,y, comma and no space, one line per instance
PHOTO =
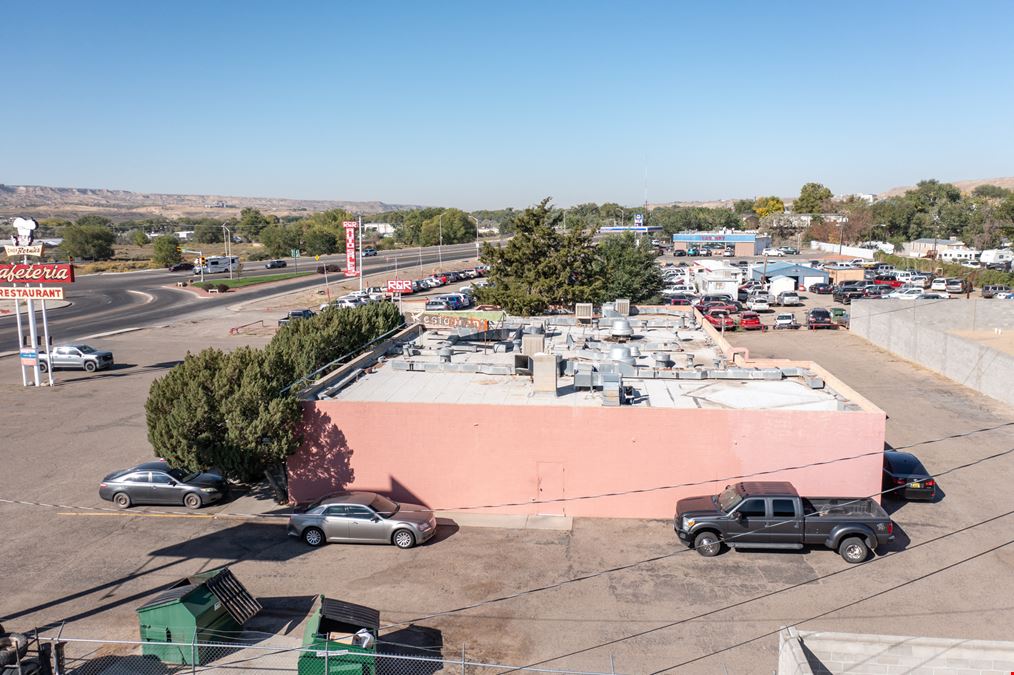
786,321
773,252
905,293
758,304
939,284
919,281
789,299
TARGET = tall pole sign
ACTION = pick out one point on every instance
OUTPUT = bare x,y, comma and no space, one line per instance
36,284
351,259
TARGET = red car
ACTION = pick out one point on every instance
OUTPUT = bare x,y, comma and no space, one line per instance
720,319
750,321
888,280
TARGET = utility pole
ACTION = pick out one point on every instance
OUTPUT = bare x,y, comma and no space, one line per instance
440,244
477,233
360,254
227,237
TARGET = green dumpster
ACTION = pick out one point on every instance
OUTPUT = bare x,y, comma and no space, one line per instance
340,639
208,607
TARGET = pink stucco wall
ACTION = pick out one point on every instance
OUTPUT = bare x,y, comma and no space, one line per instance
453,456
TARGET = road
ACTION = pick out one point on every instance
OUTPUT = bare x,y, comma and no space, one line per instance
108,302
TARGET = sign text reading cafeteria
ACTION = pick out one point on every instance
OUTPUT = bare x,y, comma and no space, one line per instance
40,274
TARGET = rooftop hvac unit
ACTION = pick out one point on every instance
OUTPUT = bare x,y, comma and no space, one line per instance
612,395
533,344
584,312
623,306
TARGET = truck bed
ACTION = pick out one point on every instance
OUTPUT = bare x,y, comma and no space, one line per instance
842,507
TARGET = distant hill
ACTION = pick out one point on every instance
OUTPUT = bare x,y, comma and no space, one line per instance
58,202
963,185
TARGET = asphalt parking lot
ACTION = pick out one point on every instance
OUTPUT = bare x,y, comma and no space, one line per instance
574,599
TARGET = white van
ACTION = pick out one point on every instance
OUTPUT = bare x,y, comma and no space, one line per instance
219,263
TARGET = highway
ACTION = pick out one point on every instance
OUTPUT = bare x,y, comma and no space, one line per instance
108,302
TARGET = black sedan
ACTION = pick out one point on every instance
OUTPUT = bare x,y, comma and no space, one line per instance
821,289
157,483
907,478
275,264
181,267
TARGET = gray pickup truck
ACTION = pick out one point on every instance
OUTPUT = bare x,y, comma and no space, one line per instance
772,515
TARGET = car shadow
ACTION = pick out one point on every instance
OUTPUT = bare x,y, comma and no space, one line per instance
446,528
899,543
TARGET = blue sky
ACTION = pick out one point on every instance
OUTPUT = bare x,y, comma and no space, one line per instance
485,105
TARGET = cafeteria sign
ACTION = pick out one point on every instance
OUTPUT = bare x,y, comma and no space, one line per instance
39,274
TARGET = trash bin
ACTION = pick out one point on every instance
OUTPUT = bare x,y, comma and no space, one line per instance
340,639
208,607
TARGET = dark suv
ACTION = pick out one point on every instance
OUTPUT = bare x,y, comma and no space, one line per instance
848,291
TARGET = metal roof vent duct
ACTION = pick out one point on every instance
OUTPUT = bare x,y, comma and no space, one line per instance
620,328
621,354
635,351
445,354
662,359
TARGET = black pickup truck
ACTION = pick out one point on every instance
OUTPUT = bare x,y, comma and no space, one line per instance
773,515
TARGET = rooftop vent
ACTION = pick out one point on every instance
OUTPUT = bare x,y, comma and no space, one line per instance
584,312
445,354
662,359
623,306
621,354
620,328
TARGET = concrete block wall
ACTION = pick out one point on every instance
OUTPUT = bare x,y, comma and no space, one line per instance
806,652
925,333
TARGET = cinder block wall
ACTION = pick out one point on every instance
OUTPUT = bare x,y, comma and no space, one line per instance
925,332
808,652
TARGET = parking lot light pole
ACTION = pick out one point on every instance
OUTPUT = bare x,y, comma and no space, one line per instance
477,235
227,237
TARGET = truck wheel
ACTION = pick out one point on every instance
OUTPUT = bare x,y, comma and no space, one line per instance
707,544
854,550
43,366
90,366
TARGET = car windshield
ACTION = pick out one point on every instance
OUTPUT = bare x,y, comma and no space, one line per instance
384,506
178,474
728,499
84,349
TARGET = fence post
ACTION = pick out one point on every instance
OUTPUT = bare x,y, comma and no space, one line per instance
193,653
327,652
462,659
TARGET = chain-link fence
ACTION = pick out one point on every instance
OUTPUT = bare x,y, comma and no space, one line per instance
101,657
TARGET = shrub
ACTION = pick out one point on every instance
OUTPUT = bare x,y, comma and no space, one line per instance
258,254
222,288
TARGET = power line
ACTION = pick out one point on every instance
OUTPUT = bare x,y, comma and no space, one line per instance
618,568
884,591
769,593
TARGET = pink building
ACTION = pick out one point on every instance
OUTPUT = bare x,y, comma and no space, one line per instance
584,411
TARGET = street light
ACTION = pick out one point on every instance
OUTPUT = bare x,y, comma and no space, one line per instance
227,236
440,244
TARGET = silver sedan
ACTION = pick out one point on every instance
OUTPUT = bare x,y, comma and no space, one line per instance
363,518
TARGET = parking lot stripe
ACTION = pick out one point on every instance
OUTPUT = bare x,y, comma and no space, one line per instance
139,515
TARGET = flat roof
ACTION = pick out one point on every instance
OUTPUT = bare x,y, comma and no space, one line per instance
667,362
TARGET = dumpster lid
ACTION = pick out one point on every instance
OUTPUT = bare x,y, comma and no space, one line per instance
348,613
177,592
232,594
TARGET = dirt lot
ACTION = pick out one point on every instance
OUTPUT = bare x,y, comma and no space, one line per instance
93,568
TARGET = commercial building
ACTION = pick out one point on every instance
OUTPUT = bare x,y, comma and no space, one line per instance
525,417
743,243
919,248
803,276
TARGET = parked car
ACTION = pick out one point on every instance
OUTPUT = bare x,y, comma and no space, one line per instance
295,315
157,483
821,288
365,518
720,319
789,299
181,267
369,252
759,303
877,290
958,286
750,321
905,469
939,284
76,355
818,317
772,515
438,306
789,250
275,264
773,252
329,268
888,280
679,253
846,291
906,293
729,253
786,320
919,280
681,300
839,316
990,290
